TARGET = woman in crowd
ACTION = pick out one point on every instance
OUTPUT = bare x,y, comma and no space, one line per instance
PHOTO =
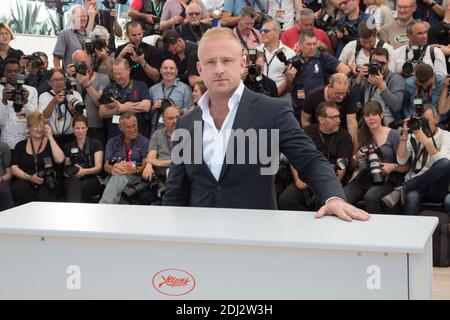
83,163
6,52
373,182
58,107
197,92
33,163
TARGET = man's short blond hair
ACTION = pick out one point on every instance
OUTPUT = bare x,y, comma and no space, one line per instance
218,32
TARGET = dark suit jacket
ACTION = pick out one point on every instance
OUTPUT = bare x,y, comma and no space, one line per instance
242,185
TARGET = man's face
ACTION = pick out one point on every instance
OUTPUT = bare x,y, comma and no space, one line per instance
129,128
121,74
405,9
268,33
220,64
305,23
330,123
193,13
419,35
80,18
11,72
57,82
309,47
348,6
383,61
338,92
246,24
177,47
368,44
171,115
135,35
169,70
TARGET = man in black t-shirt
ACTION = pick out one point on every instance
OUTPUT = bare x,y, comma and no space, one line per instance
336,91
145,65
336,145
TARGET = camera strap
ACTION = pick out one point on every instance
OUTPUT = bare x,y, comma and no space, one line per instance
379,44
268,63
60,114
244,43
420,154
164,90
35,159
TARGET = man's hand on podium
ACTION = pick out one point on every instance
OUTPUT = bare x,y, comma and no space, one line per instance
342,209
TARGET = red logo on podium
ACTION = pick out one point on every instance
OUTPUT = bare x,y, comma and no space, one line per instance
173,282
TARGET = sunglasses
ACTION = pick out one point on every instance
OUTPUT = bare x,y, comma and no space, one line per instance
265,30
192,14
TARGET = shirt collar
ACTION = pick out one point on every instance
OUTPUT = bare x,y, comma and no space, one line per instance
203,103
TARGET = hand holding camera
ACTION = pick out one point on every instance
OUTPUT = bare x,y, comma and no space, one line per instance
377,80
36,180
7,94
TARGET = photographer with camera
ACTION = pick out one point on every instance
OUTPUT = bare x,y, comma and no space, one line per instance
304,20
72,38
232,8
193,29
17,102
37,71
6,198
380,11
423,88
124,159
405,59
33,163
275,69
376,83
148,12
336,91
428,149
376,163
99,52
83,163
142,57
356,53
253,76
158,158
335,144
314,67
174,13
60,104
105,18
346,26
90,85
124,95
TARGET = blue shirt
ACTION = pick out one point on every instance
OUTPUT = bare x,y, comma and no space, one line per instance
180,93
116,148
433,98
234,6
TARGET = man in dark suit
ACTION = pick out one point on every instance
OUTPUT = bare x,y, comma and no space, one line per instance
211,170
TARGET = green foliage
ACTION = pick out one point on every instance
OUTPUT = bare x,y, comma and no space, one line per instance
24,20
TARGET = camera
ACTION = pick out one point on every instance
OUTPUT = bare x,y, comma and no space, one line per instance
76,157
373,162
114,160
253,68
91,45
374,68
138,51
48,174
341,164
259,23
156,185
34,61
297,61
81,68
166,103
112,93
417,121
327,23
17,93
111,4
71,99
409,66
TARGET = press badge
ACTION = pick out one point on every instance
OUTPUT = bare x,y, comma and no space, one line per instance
74,150
319,1
115,119
301,94
279,14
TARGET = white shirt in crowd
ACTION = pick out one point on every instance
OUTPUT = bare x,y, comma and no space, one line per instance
442,140
398,58
13,125
283,11
215,141
61,119
348,53
274,68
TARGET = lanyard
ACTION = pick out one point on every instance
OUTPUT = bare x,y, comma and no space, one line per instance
164,91
267,63
128,153
35,159
279,3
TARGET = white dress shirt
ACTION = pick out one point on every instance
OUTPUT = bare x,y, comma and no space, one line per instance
215,141
273,67
397,60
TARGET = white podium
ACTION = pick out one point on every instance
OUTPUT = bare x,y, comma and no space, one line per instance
92,251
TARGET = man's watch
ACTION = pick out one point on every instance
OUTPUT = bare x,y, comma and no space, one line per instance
432,4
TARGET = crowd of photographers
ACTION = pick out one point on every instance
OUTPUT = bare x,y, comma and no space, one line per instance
367,80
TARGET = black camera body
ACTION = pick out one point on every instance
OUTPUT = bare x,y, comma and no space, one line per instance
165,103
48,174
373,162
254,69
296,61
374,68
156,185
112,93
34,61
417,121
410,65
81,68
259,23
340,164
326,22
17,93
114,160
91,45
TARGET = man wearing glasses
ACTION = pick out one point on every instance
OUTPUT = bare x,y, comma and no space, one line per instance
386,87
336,91
394,33
194,28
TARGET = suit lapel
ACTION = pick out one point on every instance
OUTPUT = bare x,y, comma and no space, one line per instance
244,115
